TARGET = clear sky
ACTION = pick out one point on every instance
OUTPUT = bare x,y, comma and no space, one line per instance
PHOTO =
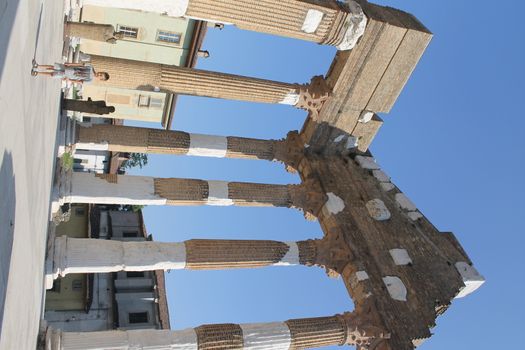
453,143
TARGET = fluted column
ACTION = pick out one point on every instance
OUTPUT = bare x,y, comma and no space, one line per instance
325,22
292,334
84,255
119,138
188,81
91,188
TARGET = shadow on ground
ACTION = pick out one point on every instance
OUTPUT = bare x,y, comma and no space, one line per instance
7,18
7,218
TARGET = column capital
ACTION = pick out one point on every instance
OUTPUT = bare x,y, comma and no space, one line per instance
363,330
290,151
308,197
312,96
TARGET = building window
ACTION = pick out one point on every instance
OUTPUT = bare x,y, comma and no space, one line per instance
130,234
135,274
168,37
128,32
138,317
76,285
144,101
155,103
86,119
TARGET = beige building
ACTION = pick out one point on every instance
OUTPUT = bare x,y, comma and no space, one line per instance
147,37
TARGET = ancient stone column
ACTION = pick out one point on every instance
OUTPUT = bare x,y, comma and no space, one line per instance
137,75
325,22
92,31
81,255
119,138
292,334
90,188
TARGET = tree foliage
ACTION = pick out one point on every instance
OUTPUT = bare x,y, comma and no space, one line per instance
136,160
133,208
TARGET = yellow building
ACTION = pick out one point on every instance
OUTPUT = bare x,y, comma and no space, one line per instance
155,107
69,293
148,37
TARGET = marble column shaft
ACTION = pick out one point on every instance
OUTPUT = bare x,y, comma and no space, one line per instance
119,138
292,334
142,190
325,22
84,255
137,75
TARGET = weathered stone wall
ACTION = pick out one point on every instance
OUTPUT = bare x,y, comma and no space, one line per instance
387,252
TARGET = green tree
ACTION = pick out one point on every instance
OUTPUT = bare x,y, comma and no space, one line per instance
136,159
133,208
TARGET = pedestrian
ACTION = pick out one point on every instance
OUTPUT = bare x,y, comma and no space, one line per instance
81,73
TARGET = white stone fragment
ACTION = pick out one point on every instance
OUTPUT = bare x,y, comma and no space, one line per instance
471,277
263,336
208,146
381,176
367,163
404,202
395,287
400,256
351,142
312,20
132,190
291,99
355,26
291,257
361,275
103,146
387,186
365,117
334,204
218,193
414,215
172,8
418,342
378,210
339,138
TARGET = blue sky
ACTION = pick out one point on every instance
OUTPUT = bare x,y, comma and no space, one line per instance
453,143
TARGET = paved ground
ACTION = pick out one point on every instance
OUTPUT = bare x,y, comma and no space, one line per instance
28,123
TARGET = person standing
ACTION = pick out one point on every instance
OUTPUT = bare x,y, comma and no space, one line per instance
80,73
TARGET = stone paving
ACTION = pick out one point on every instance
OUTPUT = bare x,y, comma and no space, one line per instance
29,108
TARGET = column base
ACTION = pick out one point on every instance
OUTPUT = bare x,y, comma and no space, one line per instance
61,186
51,339
66,137
50,274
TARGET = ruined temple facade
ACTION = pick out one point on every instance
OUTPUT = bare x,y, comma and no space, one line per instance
400,271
